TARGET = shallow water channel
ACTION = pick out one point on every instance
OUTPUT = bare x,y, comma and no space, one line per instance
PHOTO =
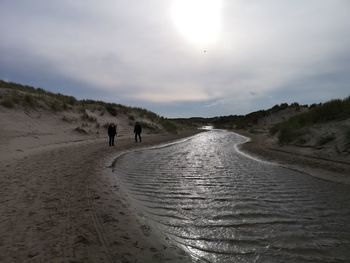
223,206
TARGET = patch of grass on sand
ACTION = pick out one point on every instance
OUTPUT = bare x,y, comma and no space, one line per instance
333,110
8,103
169,126
149,126
111,110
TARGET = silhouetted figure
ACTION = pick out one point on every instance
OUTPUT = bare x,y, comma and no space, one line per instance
137,131
112,131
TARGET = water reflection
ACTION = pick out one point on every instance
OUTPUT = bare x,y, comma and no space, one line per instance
225,207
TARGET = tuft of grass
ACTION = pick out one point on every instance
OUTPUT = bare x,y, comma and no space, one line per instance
326,139
87,117
169,126
8,103
149,126
287,135
80,130
111,110
55,105
29,101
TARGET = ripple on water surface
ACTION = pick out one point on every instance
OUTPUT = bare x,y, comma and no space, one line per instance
225,207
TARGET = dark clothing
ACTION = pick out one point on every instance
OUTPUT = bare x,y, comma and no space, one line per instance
111,140
137,135
137,131
112,131
138,128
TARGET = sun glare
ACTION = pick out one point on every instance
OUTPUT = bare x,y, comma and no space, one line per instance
199,21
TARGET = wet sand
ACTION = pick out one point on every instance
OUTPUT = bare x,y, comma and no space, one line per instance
294,158
62,203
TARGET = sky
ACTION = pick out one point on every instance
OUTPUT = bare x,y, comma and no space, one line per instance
180,58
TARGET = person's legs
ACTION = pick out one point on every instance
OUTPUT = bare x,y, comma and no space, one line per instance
135,137
110,140
139,136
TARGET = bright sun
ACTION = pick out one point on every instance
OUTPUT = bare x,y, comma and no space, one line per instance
198,20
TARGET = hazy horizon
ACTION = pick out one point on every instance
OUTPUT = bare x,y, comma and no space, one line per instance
180,58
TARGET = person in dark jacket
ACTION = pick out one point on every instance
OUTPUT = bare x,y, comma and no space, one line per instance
137,131
112,131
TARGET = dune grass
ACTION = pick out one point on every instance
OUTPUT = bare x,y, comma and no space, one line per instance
13,95
291,129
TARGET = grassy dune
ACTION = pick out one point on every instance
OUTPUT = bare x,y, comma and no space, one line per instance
17,96
295,128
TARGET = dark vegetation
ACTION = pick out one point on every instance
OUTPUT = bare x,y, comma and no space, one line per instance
240,121
291,129
13,95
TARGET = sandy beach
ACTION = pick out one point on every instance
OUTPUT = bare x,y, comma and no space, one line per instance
62,203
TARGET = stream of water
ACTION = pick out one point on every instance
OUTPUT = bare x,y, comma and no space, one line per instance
223,206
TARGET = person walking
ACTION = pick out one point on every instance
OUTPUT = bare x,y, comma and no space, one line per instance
137,131
112,131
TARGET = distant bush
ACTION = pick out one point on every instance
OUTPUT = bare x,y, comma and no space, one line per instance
131,117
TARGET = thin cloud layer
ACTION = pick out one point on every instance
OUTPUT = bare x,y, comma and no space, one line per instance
265,52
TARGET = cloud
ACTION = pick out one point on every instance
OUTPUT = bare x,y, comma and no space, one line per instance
132,51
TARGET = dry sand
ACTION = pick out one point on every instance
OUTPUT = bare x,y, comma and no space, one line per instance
60,202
